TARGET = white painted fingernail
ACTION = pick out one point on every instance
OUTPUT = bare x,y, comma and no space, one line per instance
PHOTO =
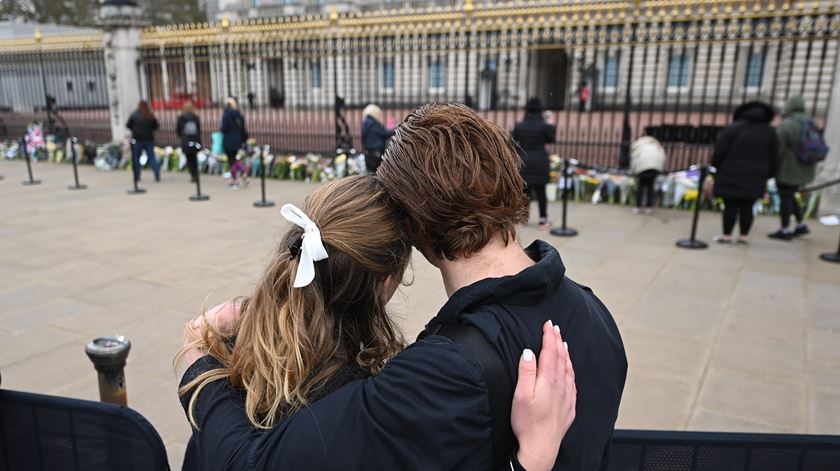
549,322
557,328
565,344
528,355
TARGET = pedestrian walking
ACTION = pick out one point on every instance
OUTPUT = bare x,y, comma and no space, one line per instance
143,125
801,146
745,156
374,137
647,161
188,130
234,136
532,134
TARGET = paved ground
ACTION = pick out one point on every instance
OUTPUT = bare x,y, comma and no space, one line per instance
728,338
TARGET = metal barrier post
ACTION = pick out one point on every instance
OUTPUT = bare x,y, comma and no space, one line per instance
136,190
832,257
27,158
108,355
77,186
564,231
197,196
263,203
692,242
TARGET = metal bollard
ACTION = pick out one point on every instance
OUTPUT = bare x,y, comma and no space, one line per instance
108,355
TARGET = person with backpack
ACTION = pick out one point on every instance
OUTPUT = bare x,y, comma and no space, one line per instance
745,155
188,129
801,146
143,125
234,136
317,320
445,401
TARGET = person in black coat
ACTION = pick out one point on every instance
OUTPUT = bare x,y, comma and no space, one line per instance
143,125
532,134
374,137
745,157
234,136
188,130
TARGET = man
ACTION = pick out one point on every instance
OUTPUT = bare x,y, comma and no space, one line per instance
455,177
792,173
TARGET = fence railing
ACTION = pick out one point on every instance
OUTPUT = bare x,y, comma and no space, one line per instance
608,70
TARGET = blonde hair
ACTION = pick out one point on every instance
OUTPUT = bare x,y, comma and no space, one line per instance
288,342
187,107
230,102
373,111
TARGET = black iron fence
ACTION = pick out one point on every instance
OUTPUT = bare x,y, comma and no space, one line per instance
608,71
63,90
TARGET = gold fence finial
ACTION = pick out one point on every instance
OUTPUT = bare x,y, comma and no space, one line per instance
468,6
333,15
38,36
225,23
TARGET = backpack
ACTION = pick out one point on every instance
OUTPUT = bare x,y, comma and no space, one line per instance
190,128
812,147
500,389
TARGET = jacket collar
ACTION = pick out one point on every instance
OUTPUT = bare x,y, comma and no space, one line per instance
525,288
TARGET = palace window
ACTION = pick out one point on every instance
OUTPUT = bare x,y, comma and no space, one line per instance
437,75
388,75
679,70
755,70
611,72
315,75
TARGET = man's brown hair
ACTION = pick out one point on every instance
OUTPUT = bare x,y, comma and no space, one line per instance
455,177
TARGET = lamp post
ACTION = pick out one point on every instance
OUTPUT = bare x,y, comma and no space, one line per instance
626,131
39,39
226,29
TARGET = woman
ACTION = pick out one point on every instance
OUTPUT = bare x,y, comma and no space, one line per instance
374,137
317,320
532,134
143,125
188,130
647,161
234,137
745,157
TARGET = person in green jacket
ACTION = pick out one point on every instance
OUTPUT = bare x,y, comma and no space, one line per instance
791,174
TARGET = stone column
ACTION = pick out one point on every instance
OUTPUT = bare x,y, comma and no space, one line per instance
122,41
830,169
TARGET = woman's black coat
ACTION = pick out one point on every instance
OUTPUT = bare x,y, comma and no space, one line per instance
532,134
746,153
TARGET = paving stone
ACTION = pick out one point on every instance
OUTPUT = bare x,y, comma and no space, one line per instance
774,402
728,338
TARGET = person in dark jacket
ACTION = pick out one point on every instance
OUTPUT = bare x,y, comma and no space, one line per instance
374,137
429,406
188,129
791,173
532,134
234,136
143,125
745,156
342,330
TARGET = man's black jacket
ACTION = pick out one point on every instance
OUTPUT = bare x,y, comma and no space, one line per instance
428,408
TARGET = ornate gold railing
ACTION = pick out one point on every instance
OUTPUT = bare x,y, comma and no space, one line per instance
515,15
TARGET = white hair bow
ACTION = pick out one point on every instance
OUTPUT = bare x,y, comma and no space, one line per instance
311,246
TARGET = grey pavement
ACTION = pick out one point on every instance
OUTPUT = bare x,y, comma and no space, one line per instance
729,338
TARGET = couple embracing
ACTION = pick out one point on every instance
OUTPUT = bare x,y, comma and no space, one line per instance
310,372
